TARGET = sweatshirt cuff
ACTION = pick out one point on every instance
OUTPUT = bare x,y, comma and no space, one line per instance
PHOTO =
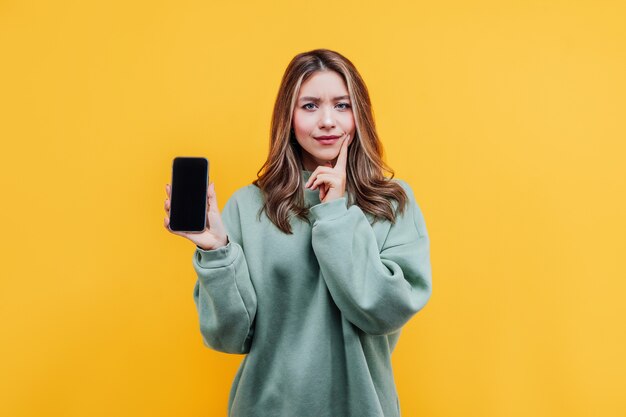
216,258
330,210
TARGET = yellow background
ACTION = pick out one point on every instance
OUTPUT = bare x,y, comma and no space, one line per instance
506,119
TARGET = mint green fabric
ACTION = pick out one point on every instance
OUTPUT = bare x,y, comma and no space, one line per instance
317,313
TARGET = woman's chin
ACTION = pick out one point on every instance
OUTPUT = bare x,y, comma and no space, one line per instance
321,156
324,160
326,154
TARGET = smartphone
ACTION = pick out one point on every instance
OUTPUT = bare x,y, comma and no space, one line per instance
188,197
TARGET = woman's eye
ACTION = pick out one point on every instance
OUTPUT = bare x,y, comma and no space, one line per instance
346,106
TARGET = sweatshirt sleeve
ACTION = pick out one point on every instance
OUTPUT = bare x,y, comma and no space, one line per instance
377,291
224,295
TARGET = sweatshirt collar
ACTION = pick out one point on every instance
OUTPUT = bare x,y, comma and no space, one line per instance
311,197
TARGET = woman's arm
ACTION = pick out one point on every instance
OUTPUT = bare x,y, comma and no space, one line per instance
224,295
378,291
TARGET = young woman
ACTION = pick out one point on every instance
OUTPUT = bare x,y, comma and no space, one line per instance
312,269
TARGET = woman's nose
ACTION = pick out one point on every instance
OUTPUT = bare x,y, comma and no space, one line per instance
327,118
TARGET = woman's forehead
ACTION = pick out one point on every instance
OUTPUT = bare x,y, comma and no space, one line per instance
326,85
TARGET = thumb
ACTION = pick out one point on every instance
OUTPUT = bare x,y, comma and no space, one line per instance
212,197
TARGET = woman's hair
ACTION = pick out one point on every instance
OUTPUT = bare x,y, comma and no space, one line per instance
281,178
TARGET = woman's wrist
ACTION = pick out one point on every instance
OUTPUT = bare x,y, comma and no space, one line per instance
224,243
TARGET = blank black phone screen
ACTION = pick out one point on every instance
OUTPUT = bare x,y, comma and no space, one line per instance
188,203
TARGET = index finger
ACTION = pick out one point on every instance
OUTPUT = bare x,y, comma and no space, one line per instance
343,154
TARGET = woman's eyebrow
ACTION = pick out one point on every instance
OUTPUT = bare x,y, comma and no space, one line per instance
316,99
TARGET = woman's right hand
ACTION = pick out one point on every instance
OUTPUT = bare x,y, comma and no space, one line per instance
214,235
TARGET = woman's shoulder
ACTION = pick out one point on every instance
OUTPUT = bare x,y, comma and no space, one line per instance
405,185
246,195
414,207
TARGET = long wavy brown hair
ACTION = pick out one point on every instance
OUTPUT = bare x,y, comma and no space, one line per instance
280,177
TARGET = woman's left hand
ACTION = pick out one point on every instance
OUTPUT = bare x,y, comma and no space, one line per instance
331,180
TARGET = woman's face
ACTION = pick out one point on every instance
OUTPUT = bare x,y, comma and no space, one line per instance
323,109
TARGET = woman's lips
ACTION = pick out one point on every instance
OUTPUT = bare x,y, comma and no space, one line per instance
327,140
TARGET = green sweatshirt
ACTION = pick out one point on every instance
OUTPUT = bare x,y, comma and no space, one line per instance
317,313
